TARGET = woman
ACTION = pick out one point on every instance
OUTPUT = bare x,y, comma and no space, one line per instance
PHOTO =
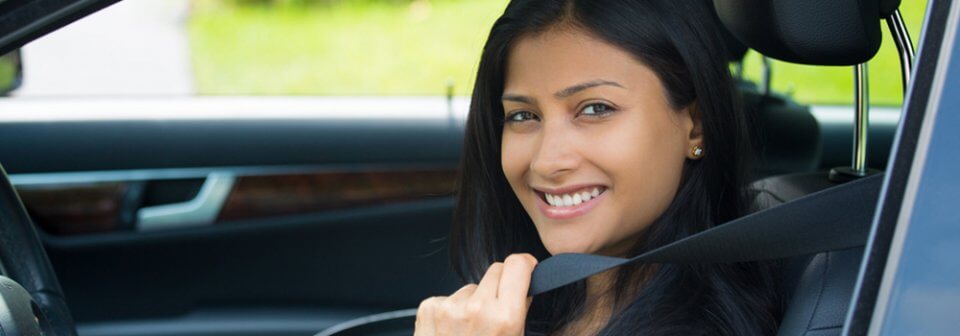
603,127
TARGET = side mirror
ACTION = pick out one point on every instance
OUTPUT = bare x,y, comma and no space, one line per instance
11,72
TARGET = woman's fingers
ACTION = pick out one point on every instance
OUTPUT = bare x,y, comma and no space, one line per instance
426,324
495,306
515,279
463,293
490,283
451,317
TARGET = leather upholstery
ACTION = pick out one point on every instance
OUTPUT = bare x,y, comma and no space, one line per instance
820,32
775,190
819,301
818,288
788,135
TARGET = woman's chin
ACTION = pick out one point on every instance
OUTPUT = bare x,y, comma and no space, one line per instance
587,246
567,247
570,238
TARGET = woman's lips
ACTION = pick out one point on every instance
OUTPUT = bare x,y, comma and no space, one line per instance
567,212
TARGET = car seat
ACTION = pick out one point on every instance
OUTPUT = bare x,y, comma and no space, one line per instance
787,134
817,288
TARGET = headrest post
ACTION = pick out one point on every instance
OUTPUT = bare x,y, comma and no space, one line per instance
861,119
901,37
861,122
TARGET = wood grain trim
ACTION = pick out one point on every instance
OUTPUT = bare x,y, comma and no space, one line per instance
69,209
290,194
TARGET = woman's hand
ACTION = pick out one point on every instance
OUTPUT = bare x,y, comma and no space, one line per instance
497,306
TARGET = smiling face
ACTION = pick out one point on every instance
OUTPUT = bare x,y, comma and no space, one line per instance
591,145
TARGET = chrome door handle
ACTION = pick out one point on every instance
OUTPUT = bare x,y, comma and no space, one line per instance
202,210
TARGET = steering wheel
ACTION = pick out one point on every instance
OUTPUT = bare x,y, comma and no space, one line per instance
29,289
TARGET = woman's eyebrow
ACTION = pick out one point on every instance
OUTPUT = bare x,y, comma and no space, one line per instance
562,93
583,86
518,98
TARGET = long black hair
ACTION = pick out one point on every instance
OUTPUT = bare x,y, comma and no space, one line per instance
681,42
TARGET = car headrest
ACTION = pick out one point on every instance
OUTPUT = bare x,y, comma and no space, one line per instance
818,32
736,50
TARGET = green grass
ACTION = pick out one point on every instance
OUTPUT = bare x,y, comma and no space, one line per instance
349,48
369,47
8,72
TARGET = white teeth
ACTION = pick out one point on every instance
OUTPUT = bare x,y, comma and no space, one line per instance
571,199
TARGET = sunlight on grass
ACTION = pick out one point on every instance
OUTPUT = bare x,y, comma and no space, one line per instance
367,47
350,48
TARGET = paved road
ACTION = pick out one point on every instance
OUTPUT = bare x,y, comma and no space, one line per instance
135,47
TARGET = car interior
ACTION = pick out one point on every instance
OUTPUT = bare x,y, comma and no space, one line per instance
219,226
819,35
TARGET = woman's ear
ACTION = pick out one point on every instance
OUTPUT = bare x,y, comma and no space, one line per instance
695,146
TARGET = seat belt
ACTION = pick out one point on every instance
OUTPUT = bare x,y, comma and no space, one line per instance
832,219
835,218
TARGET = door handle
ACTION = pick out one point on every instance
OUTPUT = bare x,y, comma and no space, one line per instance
202,210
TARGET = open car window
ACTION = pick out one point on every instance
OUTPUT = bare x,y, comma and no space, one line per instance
263,48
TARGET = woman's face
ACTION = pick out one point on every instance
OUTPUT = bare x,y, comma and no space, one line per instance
591,146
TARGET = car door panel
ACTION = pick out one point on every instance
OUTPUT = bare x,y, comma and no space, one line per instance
324,213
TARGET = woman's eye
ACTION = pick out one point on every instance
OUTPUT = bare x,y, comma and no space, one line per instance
596,109
521,116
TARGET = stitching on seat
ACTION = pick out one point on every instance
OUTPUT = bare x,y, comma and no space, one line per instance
823,285
775,196
761,192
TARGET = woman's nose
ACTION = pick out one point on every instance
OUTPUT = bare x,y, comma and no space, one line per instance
558,152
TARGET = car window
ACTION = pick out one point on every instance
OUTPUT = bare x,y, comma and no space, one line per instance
922,273
264,47
335,48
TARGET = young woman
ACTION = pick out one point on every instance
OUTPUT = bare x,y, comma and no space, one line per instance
604,127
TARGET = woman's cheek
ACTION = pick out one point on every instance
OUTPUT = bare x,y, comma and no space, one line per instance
515,160
645,163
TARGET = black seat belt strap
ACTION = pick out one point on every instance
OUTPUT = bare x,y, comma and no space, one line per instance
832,219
